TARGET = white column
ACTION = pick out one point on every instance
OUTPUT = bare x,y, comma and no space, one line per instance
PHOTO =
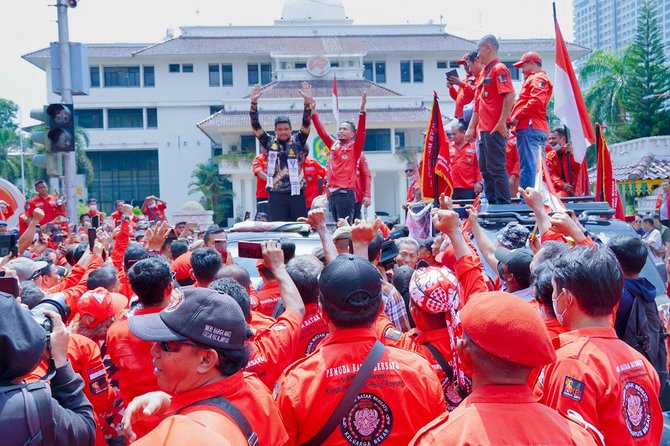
402,194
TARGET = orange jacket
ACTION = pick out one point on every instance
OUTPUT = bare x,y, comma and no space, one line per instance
273,349
402,394
132,357
117,254
502,415
312,171
563,169
463,96
268,297
495,82
204,428
259,321
530,107
608,383
312,331
248,394
464,166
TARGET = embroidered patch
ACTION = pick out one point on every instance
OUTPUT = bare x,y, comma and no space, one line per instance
97,379
573,388
636,410
392,333
314,342
176,300
369,421
502,78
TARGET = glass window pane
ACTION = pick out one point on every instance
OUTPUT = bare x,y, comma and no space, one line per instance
187,68
215,108
417,67
252,74
266,73
122,76
88,119
441,65
95,76
149,77
300,65
248,143
377,140
152,118
367,71
124,118
214,80
405,75
514,72
227,74
174,68
380,72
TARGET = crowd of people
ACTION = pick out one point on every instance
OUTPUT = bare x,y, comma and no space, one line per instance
132,330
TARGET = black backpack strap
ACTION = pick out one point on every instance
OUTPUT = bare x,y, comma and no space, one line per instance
234,413
448,369
41,392
347,400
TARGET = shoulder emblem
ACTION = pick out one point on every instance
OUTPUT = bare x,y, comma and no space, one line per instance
573,388
502,78
392,333
636,409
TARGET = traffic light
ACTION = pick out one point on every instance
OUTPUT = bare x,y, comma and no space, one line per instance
71,3
60,122
39,137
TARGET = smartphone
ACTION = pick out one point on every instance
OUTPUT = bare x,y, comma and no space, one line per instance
451,73
91,238
247,215
462,212
9,285
249,250
95,221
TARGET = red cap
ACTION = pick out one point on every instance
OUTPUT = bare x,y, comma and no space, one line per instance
530,56
505,326
99,305
447,257
463,60
182,266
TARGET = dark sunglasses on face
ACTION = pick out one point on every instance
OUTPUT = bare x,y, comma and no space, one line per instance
175,346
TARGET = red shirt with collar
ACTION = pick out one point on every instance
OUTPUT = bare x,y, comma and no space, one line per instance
608,383
464,166
259,321
401,396
268,297
463,96
530,107
313,330
158,212
496,83
364,179
563,169
502,415
260,164
48,205
312,171
116,216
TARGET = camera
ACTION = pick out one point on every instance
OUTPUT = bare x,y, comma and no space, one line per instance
55,303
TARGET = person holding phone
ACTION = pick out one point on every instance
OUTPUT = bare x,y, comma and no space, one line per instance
465,93
93,211
154,208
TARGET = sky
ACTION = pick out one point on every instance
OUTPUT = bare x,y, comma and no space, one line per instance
29,25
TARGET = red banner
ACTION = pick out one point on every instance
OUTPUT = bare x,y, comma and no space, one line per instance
436,162
606,187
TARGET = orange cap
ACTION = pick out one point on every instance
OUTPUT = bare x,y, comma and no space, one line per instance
530,56
505,326
100,305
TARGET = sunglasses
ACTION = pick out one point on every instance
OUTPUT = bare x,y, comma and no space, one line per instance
175,346
408,171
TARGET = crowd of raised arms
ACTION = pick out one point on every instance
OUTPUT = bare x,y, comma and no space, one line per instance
128,328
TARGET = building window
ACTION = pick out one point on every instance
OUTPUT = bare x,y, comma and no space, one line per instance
377,140
417,70
88,118
95,76
122,76
252,74
215,109
405,73
380,72
227,74
514,71
441,64
453,64
259,73
248,143
174,68
300,65
367,71
152,118
334,64
125,118
149,77
214,76
187,68
266,73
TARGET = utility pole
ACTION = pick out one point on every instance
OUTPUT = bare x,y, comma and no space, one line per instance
69,159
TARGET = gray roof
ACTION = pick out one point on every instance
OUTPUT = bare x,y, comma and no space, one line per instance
323,88
649,167
97,50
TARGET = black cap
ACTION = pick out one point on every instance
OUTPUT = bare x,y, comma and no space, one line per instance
201,315
22,340
350,283
517,261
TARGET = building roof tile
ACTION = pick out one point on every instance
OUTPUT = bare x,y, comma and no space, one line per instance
649,167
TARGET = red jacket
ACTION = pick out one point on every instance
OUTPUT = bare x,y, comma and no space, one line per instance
464,166
563,169
260,164
312,171
363,179
48,205
530,107
512,157
463,96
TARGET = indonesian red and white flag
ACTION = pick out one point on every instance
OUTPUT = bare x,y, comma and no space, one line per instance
606,187
336,103
569,105
544,185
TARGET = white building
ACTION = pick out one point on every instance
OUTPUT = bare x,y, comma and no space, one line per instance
157,110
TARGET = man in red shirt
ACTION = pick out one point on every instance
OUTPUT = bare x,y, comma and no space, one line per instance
363,186
93,210
315,176
493,104
6,210
563,169
512,165
663,203
260,169
466,177
154,208
52,206
466,89
342,159
118,213
596,375
529,115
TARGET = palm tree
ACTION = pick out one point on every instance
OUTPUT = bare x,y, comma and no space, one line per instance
216,189
609,71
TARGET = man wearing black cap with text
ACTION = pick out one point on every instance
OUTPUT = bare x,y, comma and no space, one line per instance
514,271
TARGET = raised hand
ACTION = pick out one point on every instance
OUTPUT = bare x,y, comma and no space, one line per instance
256,93
364,100
306,93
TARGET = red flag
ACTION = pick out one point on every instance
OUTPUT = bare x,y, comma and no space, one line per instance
583,187
436,163
569,105
606,187
545,186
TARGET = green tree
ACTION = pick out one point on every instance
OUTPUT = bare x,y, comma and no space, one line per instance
216,189
645,92
608,71
8,110
84,164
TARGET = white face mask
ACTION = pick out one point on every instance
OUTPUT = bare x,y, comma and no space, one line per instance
556,147
93,207
561,315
